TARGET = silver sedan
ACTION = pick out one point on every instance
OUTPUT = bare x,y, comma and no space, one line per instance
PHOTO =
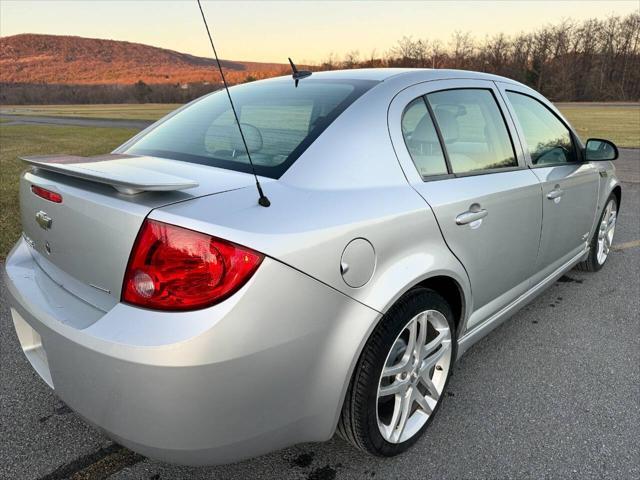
411,212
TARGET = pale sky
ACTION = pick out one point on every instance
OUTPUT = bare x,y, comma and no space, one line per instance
305,30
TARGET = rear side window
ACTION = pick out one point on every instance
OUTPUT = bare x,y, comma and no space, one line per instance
548,139
422,140
279,122
473,129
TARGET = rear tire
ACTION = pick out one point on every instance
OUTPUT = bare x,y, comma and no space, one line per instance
600,245
394,372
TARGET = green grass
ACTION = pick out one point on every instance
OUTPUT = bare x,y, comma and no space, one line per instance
149,111
17,140
619,123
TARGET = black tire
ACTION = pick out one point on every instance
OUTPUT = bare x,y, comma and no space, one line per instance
358,420
591,264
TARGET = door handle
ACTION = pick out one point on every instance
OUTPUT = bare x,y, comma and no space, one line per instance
474,214
557,192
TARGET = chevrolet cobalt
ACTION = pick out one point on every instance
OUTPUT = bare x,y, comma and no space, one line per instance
409,213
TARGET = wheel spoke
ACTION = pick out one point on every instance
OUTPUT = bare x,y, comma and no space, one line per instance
431,388
405,362
400,367
387,430
443,335
422,322
413,330
432,360
405,409
397,387
427,404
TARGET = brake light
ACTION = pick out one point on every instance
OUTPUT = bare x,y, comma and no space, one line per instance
46,194
174,268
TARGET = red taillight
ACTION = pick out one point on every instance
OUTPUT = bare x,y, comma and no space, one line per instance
46,194
173,268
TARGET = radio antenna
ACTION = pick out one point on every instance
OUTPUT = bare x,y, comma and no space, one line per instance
262,198
298,74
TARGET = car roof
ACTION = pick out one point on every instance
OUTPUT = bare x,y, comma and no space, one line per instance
399,77
425,74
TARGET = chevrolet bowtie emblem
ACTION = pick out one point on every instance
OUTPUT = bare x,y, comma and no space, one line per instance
44,220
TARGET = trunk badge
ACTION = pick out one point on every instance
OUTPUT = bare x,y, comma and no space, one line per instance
44,220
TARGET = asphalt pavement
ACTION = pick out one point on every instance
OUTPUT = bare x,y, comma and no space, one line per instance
552,393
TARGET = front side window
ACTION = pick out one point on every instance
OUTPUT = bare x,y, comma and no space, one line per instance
549,140
279,122
422,140
473,129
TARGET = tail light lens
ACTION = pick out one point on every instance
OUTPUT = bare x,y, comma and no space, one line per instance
46,194
173,268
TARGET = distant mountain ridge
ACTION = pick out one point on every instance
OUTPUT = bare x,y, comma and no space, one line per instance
61,59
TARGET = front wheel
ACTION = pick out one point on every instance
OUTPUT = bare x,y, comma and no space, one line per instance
602,239
400,378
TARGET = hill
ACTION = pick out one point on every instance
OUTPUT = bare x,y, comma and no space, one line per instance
59,59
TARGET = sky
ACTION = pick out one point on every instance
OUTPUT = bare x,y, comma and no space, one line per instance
307,31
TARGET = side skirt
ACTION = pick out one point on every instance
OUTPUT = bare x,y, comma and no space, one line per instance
474,335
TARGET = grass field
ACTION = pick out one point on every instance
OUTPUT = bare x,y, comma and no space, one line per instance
618,123
26,139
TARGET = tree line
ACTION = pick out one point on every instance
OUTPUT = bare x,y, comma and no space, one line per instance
139,92
592,60
596,59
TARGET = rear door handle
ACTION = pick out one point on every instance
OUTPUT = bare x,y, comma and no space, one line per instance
555,193
474,214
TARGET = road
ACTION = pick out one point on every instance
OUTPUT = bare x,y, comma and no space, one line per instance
76,121
553,393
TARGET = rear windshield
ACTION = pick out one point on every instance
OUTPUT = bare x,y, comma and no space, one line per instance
279,122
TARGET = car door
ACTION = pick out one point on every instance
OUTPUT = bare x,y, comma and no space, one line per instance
455,146
569,185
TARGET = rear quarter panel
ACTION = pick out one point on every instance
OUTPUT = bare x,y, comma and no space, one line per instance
309,230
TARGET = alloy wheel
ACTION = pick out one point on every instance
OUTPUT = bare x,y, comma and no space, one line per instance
414,375
606,230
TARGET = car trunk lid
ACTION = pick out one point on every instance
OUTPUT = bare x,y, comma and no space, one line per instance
85,241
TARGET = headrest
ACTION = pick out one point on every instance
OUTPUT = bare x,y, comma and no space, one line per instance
251,134
425,131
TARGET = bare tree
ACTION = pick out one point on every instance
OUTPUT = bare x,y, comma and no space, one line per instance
351,60
462,46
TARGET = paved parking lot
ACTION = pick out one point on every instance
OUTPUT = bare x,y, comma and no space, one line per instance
553,393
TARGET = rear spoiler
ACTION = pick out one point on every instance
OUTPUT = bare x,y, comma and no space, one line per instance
106,169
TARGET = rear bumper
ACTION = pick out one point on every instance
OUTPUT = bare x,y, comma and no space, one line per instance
263,370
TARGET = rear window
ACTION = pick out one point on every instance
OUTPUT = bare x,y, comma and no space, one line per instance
473,129
279,122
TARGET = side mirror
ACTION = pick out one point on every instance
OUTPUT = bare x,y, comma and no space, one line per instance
598,150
